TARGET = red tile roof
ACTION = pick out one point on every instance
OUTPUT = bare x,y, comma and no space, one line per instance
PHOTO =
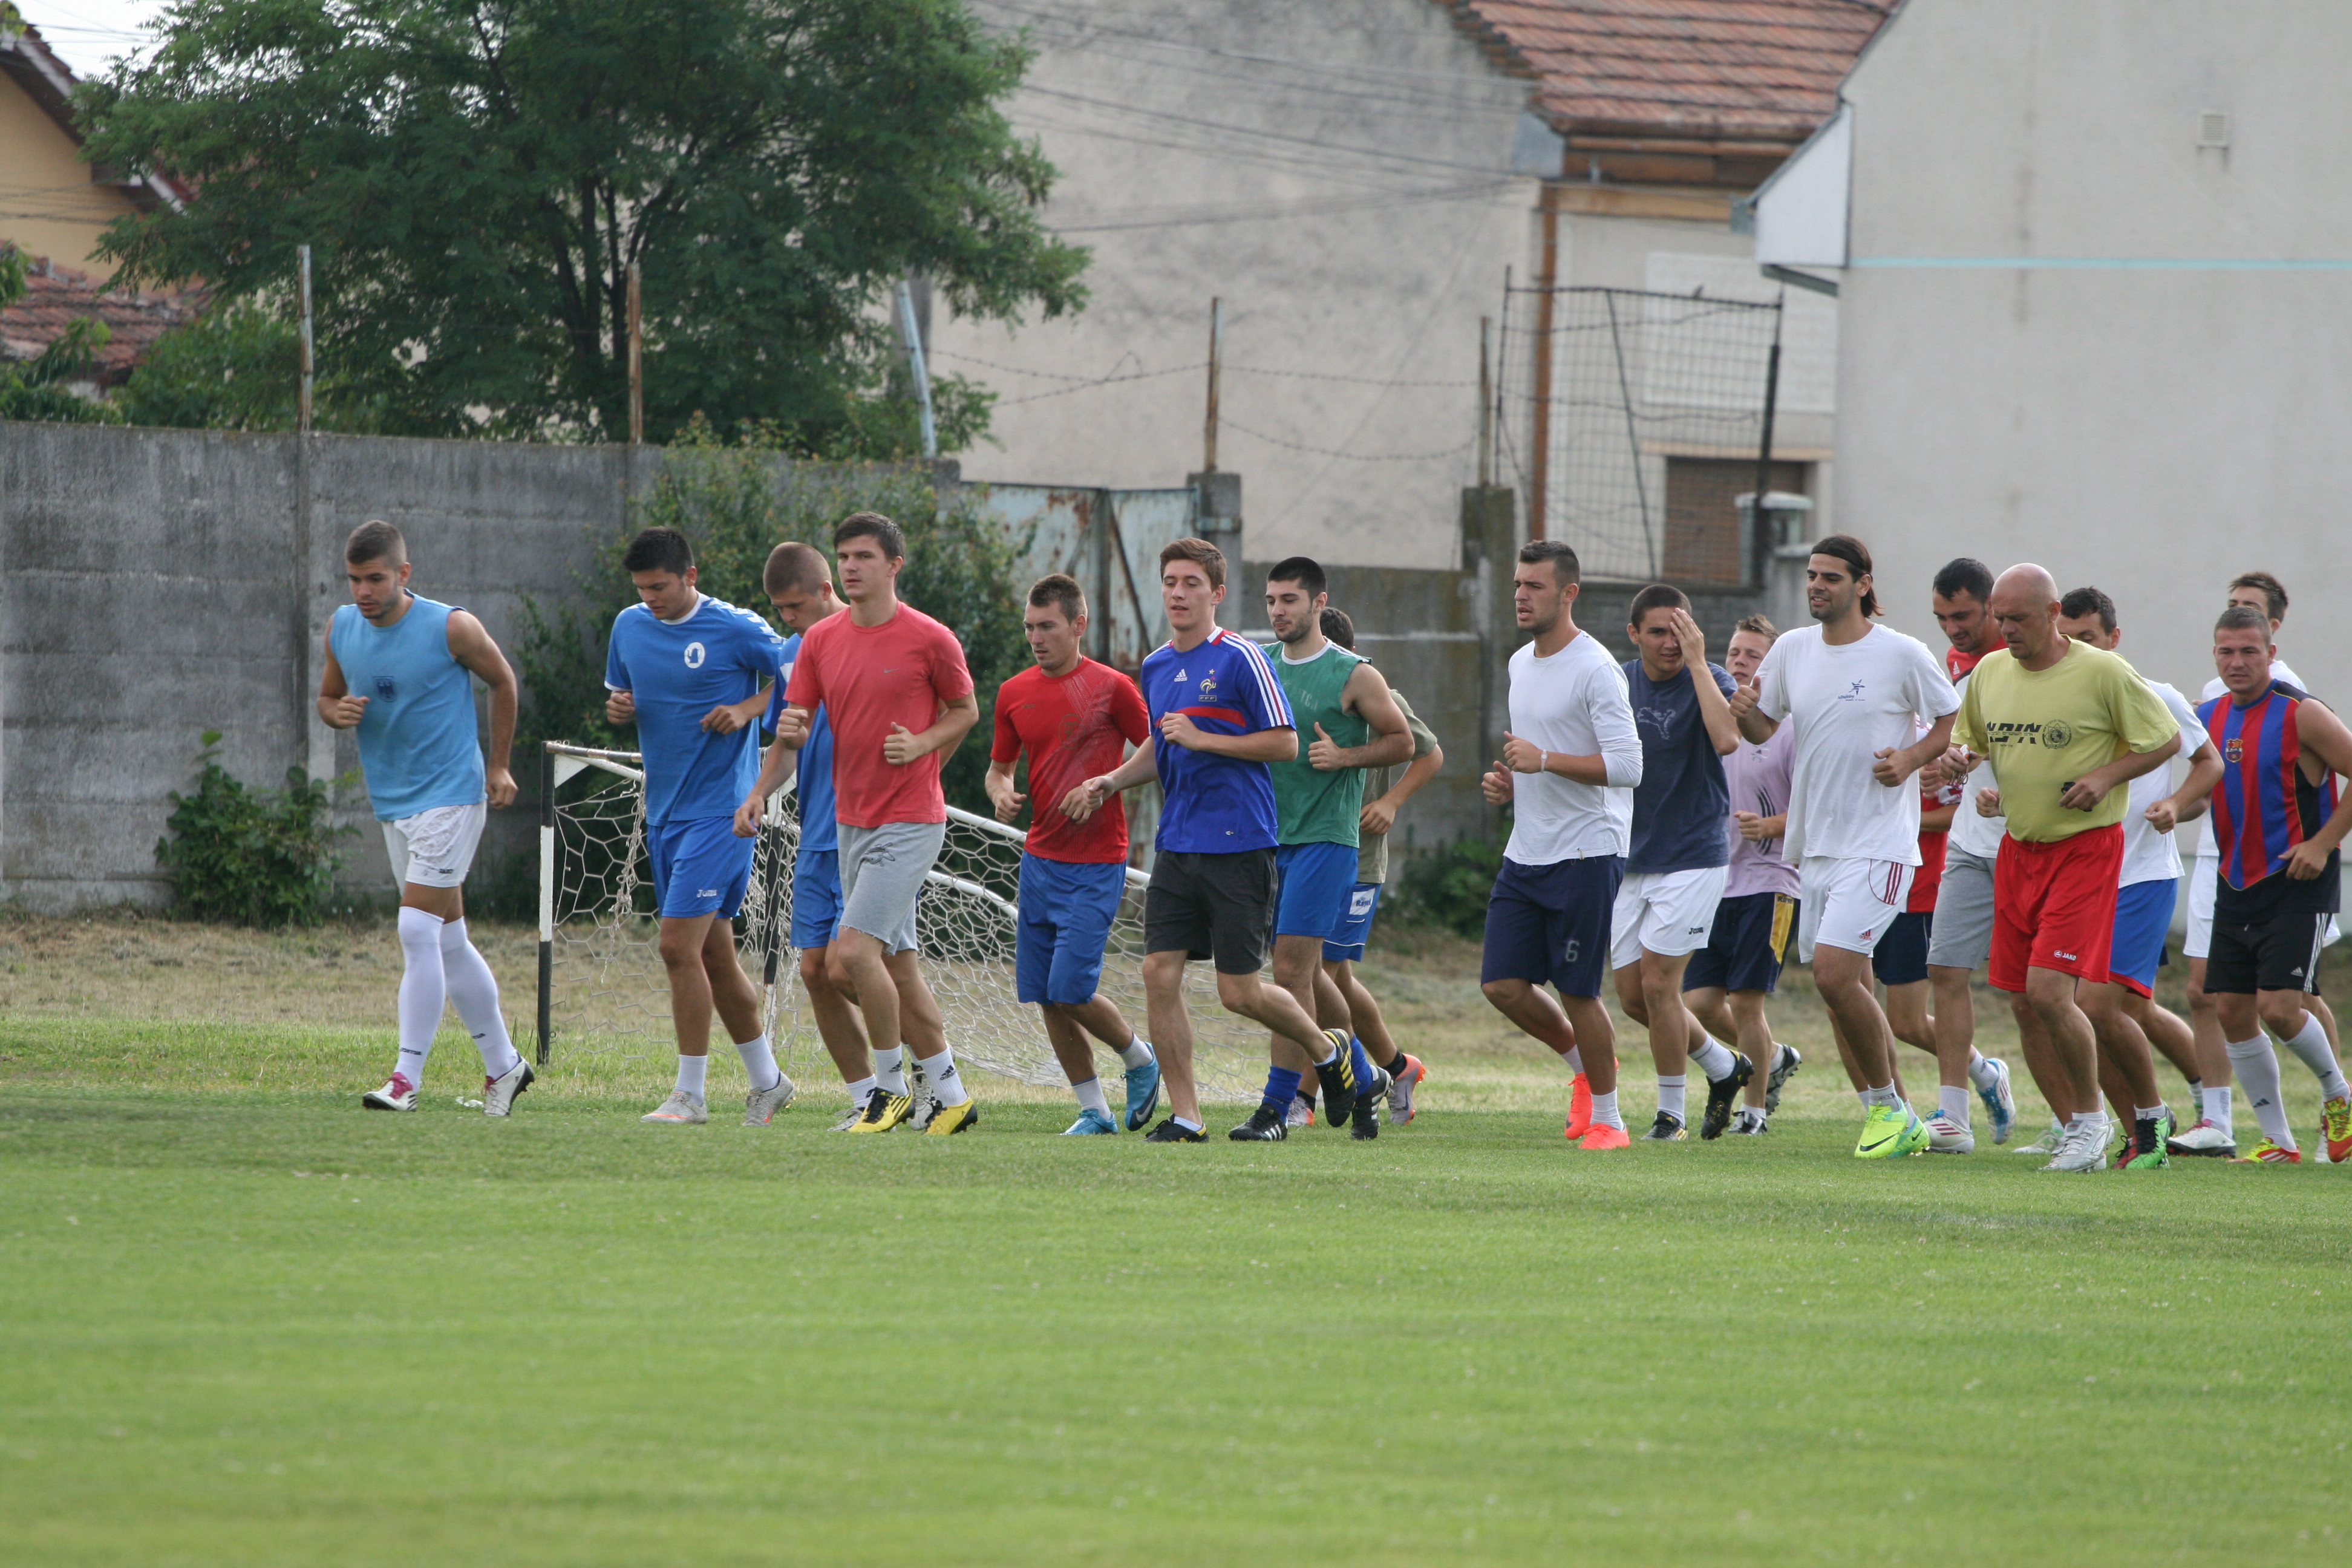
1745,70
55,296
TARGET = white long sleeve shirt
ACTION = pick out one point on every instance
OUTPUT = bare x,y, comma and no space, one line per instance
1572,702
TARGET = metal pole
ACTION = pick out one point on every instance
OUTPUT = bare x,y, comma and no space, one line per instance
915,362
1216,367
546,899
303,409
1758,522
1546,281
1632,437
636,356
1485,406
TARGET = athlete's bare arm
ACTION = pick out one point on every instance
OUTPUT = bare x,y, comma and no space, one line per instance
777,764
471,644
1007,800
1893,764
1758,829
2085,793
337,706
1085,799
1367,695
1714,708
1379,816
1527,757
1257,746
956,716
729,717
792,727
1754,726
2189,802
2326,738
1939,819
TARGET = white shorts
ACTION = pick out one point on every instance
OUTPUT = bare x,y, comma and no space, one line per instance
435,848
1669,913
2204,879
1848,904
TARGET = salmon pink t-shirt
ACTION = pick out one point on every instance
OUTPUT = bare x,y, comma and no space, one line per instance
871,678
1072,726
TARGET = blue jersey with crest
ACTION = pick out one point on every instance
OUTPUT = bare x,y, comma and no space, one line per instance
1214,805
678,672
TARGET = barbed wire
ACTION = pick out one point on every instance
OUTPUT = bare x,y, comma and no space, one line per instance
1228,423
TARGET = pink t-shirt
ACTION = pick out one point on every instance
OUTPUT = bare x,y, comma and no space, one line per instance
1758,778
871,678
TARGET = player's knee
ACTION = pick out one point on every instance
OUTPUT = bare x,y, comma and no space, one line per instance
2282,1013
1505,994
815,971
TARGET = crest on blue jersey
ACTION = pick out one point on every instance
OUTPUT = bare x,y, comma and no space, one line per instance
386,688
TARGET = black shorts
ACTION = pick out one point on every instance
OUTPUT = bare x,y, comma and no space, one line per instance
1212,906
1901,956
1549,924
2281,953
1747,947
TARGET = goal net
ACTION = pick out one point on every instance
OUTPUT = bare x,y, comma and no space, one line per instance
603,995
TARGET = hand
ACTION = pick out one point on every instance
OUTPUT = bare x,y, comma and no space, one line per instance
723,720
902,746
1888,769
1751,826
621,708
1694,641
1007,800
345,712
1323,753
499,786
1498,786
792,726
1988,802
1179,730
1376,817
1085,799
1742,702
2164,817
1521,756
748,815
2082,795
2306,861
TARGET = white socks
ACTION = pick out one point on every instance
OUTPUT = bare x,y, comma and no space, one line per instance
2257,1067
1672,1092
1885,1097
1981,1072
692,1072
1714,1058
2310,1044
1574,1058
887,1070
861,1088
1136,1052
474,991
423,991
1090,1096
760,1063
1604,1112
1952,1102
940,1071
2216,1105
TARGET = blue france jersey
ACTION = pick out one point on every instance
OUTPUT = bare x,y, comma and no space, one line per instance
418,746
815,774
1212,804
717,655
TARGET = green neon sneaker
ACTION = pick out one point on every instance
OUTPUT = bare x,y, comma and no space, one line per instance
2149,1139
1889,1132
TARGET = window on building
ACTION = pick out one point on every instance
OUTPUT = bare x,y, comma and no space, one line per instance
1704,541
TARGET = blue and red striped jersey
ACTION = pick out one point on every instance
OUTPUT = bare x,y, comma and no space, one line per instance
1214,805
2264,804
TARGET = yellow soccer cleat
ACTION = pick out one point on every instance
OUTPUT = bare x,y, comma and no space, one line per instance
950,1120
884,1110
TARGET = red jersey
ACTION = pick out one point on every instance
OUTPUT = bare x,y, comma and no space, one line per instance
871,678
1957,663
1932,841
1072,726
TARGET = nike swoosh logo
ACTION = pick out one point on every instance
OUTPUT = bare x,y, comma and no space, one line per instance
1883,1142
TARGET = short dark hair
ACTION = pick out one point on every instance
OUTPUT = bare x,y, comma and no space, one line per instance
1656,597
2272,591
1059,588
1201,553
375,541
2081,602
1303,570
2243,618
1964,574
792,565
1761,625
1845,547
1337,626
874,526
658,550
1564,567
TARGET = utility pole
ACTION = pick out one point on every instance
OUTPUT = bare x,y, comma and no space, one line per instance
1216,366
921,371
636,356
302,408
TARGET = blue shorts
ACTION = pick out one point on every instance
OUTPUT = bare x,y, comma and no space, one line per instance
700,867
1066,915
1549,924
2143,920
1747,947
1355,926
816,897
1901,956
1316,881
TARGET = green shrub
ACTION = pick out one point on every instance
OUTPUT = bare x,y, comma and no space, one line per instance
251,857
1447,887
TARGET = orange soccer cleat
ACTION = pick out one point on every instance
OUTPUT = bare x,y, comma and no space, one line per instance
1603,1136
2335,1129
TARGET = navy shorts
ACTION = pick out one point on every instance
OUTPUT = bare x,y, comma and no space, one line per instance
1066,909
2143,920
816,897
1747,947
1355,926
1316,879
1548,925
700,867
1901,955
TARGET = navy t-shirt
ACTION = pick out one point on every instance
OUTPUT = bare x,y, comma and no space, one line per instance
1680,806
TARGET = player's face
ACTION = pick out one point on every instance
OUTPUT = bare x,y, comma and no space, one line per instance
1744,655
2087,629
667,593
1962,616
2252,599
1292,612
1053,637
2027,623
1537,596
798,608
1188,598
1831,589
867,568
2241,658
1661,651
377,586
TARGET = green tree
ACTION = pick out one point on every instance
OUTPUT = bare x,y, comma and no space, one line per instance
238,367
37,388
477,177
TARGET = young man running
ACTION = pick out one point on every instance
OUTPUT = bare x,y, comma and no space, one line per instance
1857,693
688,671
400,669
2066,728
1218,720
2278,820
1677,860
1074,717
1570,761
1385,794
1319,797
799,584
1726,981
899,696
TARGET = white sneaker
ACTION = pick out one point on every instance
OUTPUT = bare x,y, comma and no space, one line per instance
926,1104
681,1109
760,1105
2001,1099
397,1094
2085,1148
1298,1115
2049,1143
1946,1136
851,1116
499,1093
2205,1139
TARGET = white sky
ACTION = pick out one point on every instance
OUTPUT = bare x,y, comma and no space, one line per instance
88,34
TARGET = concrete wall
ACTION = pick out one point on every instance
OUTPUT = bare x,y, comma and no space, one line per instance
2071,335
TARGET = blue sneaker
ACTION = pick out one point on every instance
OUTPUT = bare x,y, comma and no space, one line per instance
1089,1122
2000,1100
1142,1094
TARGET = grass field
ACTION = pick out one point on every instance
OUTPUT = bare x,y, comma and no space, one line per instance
248,1324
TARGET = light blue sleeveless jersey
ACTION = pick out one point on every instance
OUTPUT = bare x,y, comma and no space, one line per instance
419,745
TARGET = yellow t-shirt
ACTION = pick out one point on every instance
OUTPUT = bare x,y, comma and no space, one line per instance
2044,729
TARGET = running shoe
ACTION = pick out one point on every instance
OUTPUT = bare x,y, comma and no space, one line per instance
1580,1109
1402,1082
681,1109
1722,1094
1091,1122
884,1111
2049,1143
1338,1078
1170,1131
1300,1114
499,1093
1889,1132
1946,1136
1748,1123
853,1116
2082,1149
1367,1121
2150,1137
2001,1099
947,1121
1142,1094
1603,1136
921,1103
397,1094
760,1106
2204,1139
1267,1125
2335,1129
1785,1063
1666,1127
2269,1151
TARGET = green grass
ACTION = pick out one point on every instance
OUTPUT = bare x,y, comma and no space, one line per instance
246,1324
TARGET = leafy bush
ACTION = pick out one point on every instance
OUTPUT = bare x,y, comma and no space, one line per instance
251,857
1447,887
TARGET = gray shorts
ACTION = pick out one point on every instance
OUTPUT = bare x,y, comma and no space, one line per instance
1962,937
882,872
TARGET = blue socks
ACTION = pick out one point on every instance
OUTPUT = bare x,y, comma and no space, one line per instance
1281,1087
1363,1064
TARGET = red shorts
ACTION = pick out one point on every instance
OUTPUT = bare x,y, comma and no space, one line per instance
2054,906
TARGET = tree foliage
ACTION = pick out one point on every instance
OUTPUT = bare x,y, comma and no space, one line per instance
38,388
251,857
238,367
476,178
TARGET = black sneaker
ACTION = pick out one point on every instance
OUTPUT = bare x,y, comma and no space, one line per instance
1168,1131
1338,1078
1666,1128
1785,1063
1366,1123
1267,1124
1722,1094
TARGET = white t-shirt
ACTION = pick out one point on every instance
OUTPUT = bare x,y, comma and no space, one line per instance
1849,702
1575,702
1973,834
2150,855
2280,671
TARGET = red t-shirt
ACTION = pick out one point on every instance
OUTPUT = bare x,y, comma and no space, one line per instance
1932,843
1072,726
870,679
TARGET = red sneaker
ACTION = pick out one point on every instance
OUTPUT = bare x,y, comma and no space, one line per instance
2267,1152
2335,1129
1603,1136
1580,1109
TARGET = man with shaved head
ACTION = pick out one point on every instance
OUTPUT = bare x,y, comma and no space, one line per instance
2066,726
